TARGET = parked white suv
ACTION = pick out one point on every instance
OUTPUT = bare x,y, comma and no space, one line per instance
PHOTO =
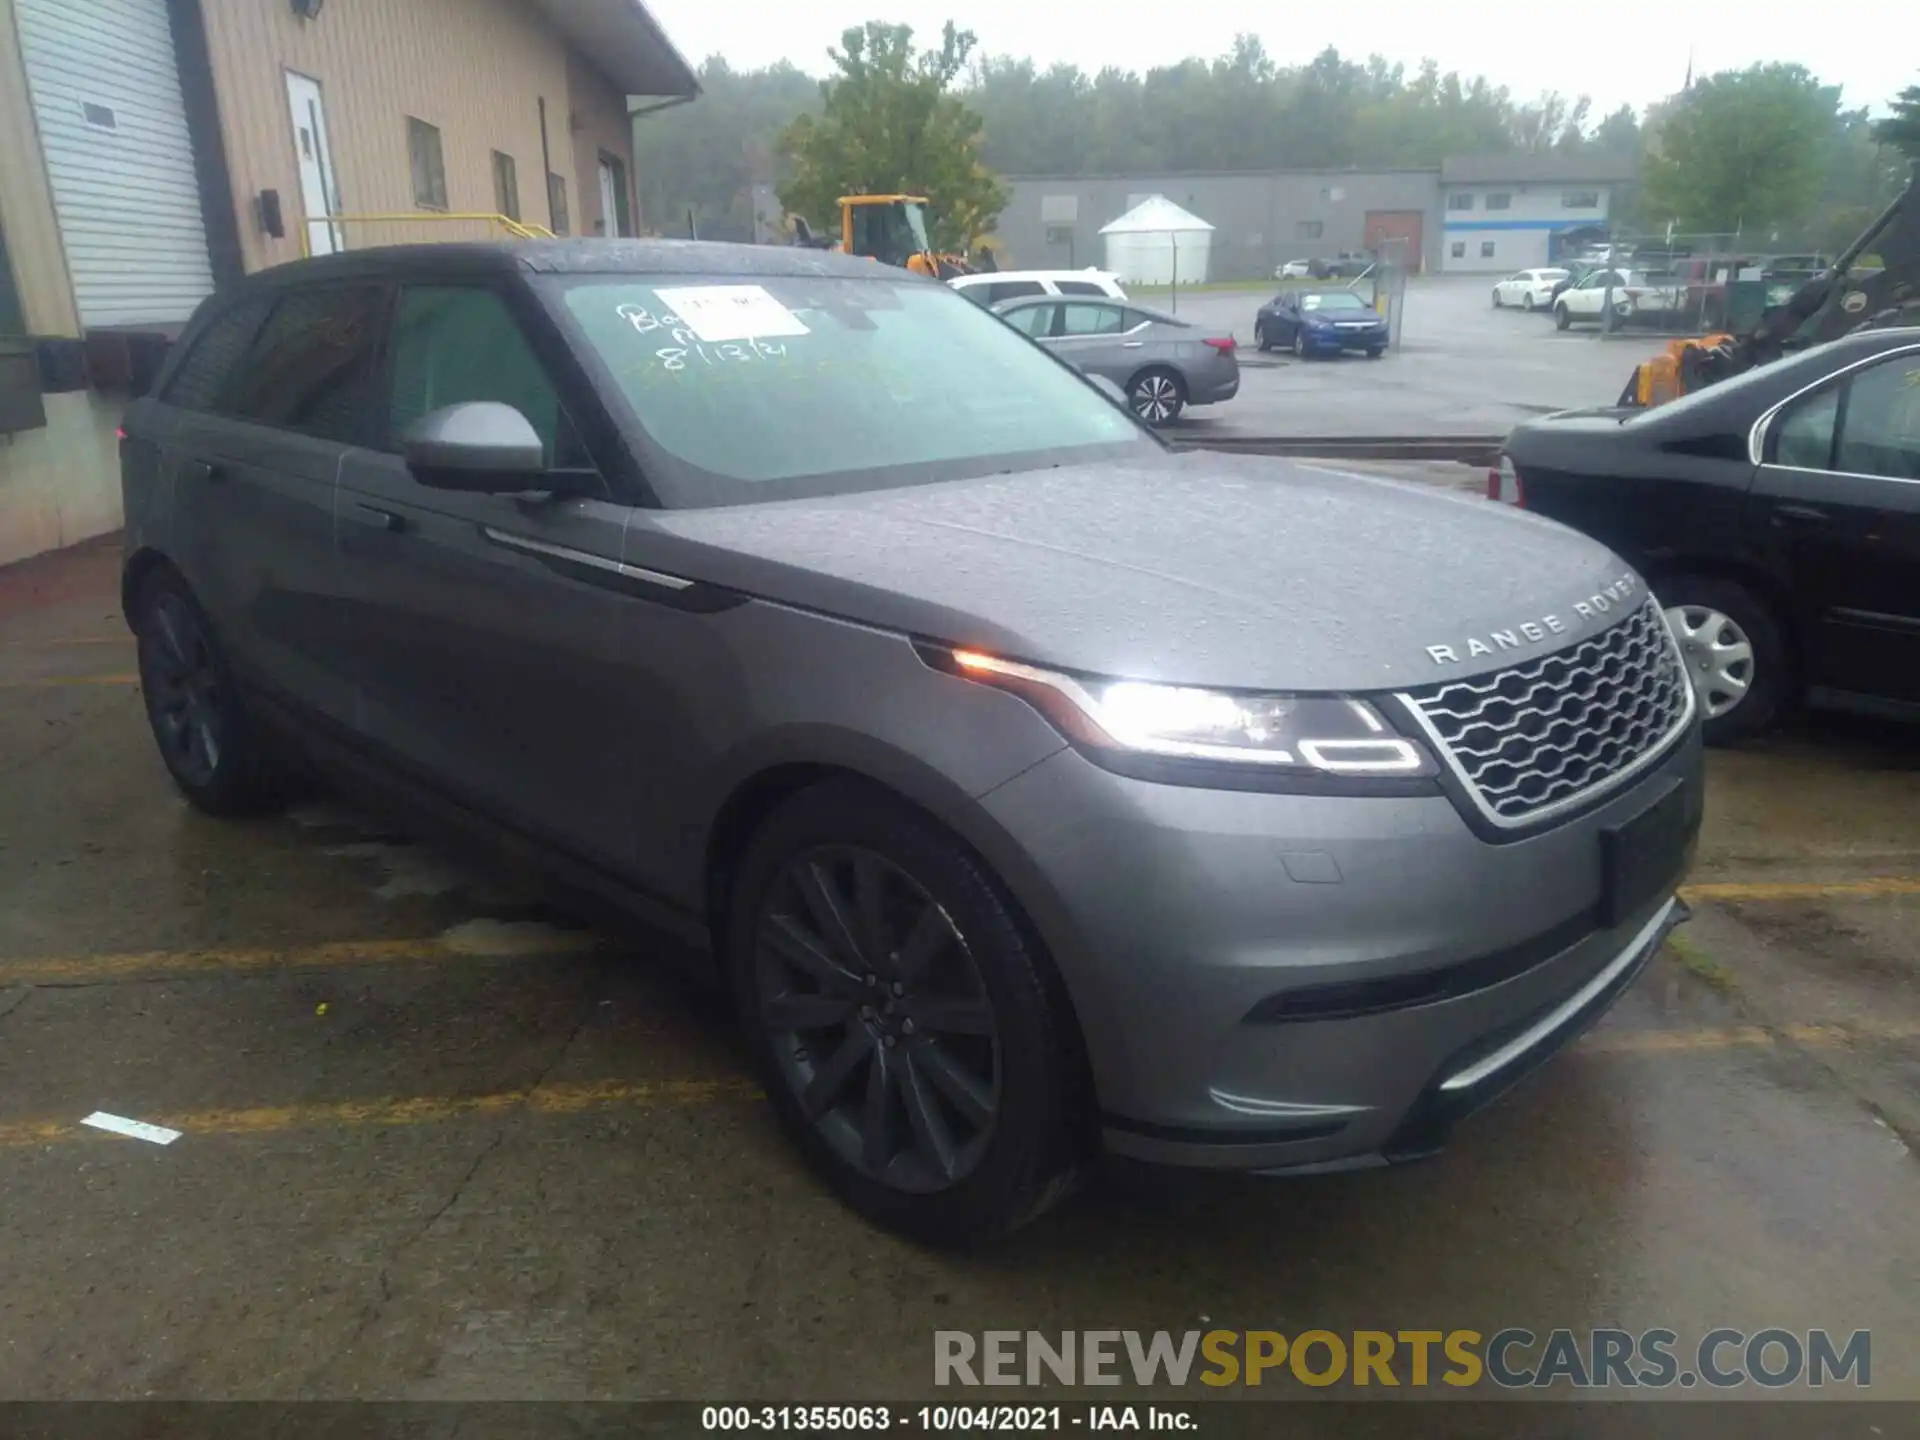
1632,293
990,289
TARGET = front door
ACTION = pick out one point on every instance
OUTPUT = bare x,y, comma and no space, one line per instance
1839,511
617,217
490,652
319,191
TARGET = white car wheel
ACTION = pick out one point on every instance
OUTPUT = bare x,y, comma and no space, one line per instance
1527,303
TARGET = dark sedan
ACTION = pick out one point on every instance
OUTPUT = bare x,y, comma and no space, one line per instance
1776,515
1320,322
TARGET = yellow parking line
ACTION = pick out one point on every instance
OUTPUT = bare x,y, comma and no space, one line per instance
65,640
47,680
1817,1037
1804,890
162,964
409,1110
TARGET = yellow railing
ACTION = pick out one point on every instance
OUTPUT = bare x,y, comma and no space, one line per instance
502,224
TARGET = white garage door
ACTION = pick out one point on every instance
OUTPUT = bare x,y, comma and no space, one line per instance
106,93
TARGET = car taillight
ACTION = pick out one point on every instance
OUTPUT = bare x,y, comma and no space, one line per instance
1503,484
1220,344
120,432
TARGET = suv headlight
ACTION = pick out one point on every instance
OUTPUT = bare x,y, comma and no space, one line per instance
1308,734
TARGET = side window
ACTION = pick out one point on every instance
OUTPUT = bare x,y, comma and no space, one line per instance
203,373
1013,290
1034,320
1880,429
1804,438
456,343
1091,320
1080,287
310,369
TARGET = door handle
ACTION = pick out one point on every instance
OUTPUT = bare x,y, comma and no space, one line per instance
389,521
1800,516
1132,344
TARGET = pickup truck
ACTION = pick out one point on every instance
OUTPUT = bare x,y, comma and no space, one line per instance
1634,295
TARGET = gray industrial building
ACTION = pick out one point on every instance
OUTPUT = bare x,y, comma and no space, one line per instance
1262,219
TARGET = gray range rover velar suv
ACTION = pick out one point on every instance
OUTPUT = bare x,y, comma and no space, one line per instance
1037,789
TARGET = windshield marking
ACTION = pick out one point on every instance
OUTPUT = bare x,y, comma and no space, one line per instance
719,313
674,357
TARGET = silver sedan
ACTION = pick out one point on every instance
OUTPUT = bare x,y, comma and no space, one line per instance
1162,363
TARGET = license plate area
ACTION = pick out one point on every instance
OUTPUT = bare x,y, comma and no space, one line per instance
1640,858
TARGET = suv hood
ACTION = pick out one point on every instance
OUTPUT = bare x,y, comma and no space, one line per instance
1204,569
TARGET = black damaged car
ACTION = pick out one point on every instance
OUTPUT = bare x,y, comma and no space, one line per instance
1776,515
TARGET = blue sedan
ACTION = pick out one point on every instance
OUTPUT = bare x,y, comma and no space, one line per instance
1320,322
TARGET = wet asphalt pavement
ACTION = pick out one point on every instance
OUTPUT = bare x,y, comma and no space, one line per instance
442,1143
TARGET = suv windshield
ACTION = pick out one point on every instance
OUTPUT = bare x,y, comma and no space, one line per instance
804,385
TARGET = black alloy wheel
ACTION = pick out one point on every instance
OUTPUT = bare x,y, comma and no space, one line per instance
204,734
914,1039
879,1019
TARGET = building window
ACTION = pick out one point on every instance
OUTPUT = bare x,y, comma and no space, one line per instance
1499,200
1309,229
1486,249
557,200
506,186
1059,234
1459,250
1580,200
1460,200
429,168
98,117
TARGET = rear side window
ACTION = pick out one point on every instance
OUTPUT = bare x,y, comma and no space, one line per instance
1013,290
456,343
1080,287
1091,320
311,367
203,374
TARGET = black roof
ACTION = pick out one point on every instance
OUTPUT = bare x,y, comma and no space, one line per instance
581,257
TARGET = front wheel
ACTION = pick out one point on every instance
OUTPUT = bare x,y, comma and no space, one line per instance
1735,653
1376,352
1300,349
1562,318
1527,303
1260,340
1157,397
911,1036
209,743
1497,301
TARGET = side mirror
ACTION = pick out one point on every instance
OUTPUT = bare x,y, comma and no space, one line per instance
481,446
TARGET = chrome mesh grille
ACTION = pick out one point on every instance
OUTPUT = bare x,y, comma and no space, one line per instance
1560,727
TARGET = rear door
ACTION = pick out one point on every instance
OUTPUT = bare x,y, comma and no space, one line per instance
253,491
1095,337
1839,511
491,659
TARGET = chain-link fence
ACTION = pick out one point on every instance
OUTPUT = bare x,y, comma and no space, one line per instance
1676,284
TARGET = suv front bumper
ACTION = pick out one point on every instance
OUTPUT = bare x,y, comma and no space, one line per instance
1299,982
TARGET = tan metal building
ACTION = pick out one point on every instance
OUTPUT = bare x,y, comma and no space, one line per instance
153,149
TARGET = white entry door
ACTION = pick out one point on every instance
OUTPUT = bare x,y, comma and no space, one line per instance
319,192
609,198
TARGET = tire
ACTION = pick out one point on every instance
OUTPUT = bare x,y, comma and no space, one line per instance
1527,304
1260,341
1300,349
1562,320
1498,303
1376,354
211,746
1157,396
977,1132
1708,613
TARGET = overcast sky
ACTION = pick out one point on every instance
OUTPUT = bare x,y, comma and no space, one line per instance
1640,54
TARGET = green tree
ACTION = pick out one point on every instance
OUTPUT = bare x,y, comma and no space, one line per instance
1901,129
1741,152
890,121
707,156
